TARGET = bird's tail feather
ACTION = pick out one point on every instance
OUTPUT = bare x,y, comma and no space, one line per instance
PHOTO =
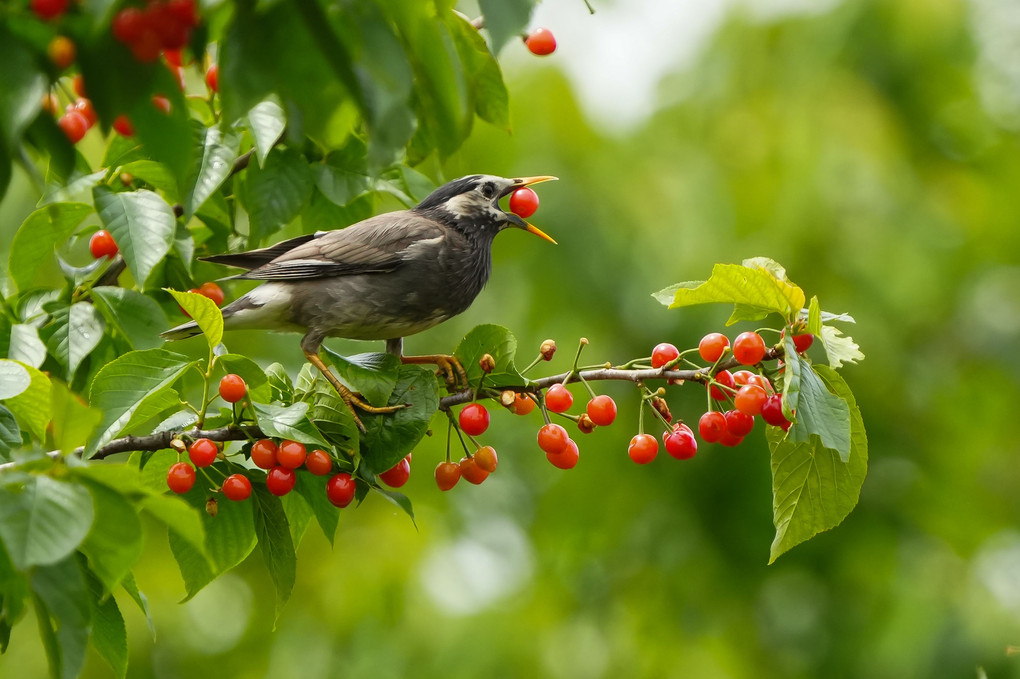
182,331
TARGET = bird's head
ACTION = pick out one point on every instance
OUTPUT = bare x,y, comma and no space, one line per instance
472,203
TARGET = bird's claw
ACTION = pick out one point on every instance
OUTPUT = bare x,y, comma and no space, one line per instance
354,404
450,368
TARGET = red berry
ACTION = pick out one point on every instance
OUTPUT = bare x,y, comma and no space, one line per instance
319,462
173,58
541,42
291,454
180,477
280,480
122,125
102,244
128,24
567,459
212,291
232,388
748,348
74,125
212,78
236,487
730,440
523,404
749,399
84,107
471,472
263,454
761,381
340,489
398,474
772,411
711,426
49,9
602,410
643,448
184,11
203,452
738,423
712,346
486,459
447,475
147,47
663,354
803,342
552,438
523,202
742,377
474,419
61,52
680,443
724,379
558,398
78,85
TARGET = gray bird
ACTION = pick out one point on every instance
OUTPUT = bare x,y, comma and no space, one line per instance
382,278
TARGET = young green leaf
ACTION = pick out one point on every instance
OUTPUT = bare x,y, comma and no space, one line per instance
204,312
266,122
839,348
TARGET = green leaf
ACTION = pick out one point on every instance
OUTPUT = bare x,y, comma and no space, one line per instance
312,489
299,515
32,249
109,633
290,422
276,193
813,489
373,374
505,19
499,343
73,420
14,593
399,499
43,520
26,346
216,153
32,406
331,416
156,175
820,413
814,319
14,378
180,518
23,87
266,122
10,432
839,348
390,437
136,317
61,596
114,544
281,388
204,312
124,385
72,333
251,373
275,543
795,365
487,89
141,223
131,587
753,290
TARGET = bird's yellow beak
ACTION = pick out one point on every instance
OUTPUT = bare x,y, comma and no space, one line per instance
528,181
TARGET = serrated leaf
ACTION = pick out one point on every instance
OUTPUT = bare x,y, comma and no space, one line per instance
373,374
216,152
814,317
10,432
108,632
62,597
820,413
43,520
752,291
290,422
275,543
124,385
42,232
72,333
266,122
299,515
499,343
154,174
485,80
251,373
839,348
313,490
131,587
813,489
114,544
276,193
331,416
281,388
26,345
14,378
73,419
141,223
792,370
389,437
137,317
32,406
204,312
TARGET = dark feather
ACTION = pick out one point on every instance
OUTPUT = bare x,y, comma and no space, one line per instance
256,258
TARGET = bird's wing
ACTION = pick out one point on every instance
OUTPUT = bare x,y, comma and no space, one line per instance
376,245
256,258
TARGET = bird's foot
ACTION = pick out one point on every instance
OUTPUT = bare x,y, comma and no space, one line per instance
449,367
349,397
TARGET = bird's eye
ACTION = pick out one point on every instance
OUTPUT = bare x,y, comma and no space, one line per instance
488,190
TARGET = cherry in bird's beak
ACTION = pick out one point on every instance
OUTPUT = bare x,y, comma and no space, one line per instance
520,182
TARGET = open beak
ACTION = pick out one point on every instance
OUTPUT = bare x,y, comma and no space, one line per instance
517,221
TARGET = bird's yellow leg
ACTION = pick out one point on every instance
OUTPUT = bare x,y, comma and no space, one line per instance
347,395
453,372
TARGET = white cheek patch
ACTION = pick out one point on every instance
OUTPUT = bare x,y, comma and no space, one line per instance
464,205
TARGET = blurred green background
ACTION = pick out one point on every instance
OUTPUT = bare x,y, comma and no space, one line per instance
870,147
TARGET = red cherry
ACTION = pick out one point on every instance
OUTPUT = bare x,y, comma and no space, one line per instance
203,452
643,448
567,459
523,202
173,58
447,475
738,423
84,107
185,11
742,377
724,379
280,480
680,443
711,426
541,42
180,477
128,24
552,438
122,125
474,419
748,348
78,85
523,404
212,291
263,454
74,125
212,78
340,489
61,52
471,472
803,342
749,399
319,462
236,487
558,398
291,454
602,410
147,47
48,9
663,354
730,440
772,411
398,474
486,458
102,244
232,388
761,381
712,346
